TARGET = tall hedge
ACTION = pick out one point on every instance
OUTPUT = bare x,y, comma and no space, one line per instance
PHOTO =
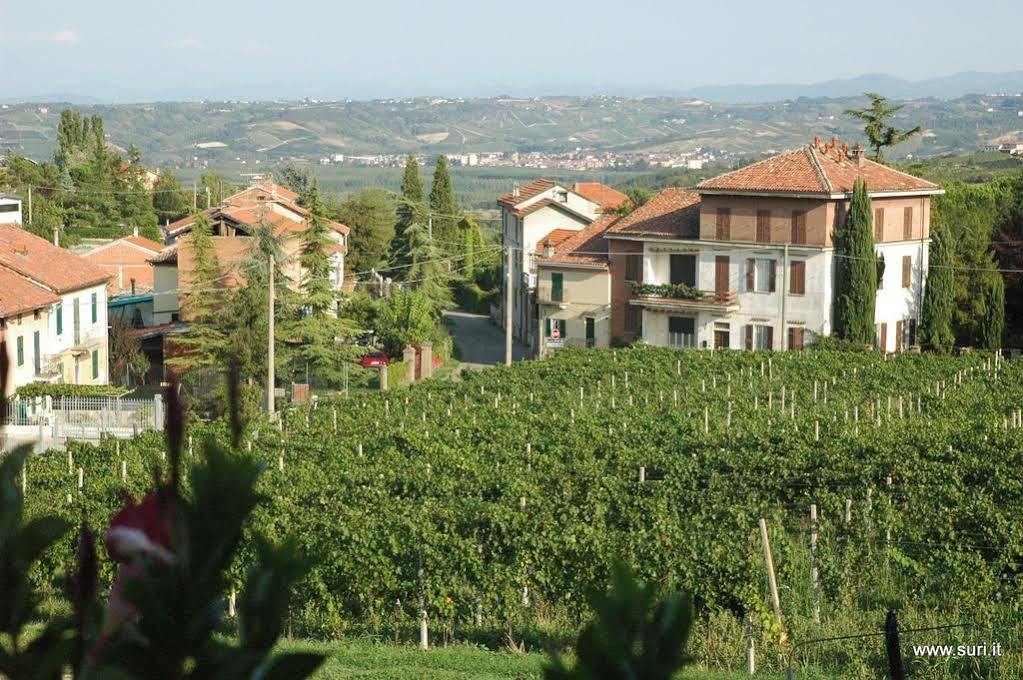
939,295
856,271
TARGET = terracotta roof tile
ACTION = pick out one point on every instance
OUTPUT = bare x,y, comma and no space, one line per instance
815,169
58,269
672,213
584,247
606,197
18,294
143,242
526,192
554,238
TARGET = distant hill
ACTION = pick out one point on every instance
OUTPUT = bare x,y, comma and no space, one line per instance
945,87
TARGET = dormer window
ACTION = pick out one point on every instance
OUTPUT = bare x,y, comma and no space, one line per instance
561,195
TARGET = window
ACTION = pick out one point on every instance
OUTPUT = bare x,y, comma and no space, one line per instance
10,207
760,275
796,337
899,329
21,351
763,226
910,333
591,331
634,320
907,271
681,332
634,267
882,336
723,224
722,335
60,318
799,226
759,336
95,309
557,286
683,269
95,364
37,356
797,277
878,224
721,264
907,223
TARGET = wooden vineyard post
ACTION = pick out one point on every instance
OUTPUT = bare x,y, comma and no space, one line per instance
751,653
848,510
771,580
642,474
814,571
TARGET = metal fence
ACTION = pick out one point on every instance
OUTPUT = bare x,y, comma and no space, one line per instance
89,418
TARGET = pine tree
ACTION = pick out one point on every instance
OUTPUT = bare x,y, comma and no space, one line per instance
856,271
410,211
881,134
204,343
443,208
939,295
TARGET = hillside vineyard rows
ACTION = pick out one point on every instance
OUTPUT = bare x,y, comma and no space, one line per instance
503,499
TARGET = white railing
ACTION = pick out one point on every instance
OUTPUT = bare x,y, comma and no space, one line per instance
90,418
682,340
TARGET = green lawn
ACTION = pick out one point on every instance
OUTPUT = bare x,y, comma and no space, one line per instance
362,658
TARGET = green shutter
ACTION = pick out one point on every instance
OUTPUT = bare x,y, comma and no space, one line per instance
95,364
21,351
60,318
557,286
95,317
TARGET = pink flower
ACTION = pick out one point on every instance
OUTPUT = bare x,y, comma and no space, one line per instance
142,529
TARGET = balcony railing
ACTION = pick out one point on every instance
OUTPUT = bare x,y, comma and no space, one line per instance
682,340
723,301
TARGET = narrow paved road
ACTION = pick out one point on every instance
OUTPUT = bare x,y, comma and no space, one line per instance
480,342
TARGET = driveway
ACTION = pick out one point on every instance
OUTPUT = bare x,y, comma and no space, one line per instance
480,342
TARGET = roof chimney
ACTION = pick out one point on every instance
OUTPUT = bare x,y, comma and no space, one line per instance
515,191
21,249
858,155
817,142
834,141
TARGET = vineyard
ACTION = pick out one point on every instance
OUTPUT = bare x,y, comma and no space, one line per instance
499,502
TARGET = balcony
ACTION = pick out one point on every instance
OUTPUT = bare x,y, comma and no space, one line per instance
660,298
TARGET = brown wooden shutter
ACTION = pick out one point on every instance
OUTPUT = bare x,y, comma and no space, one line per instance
907,222
884,337
763,226
795,337
721,274
749,336
724,224
799,226
907,271
774,276
797,278
878,224
751,267
769,332
898,336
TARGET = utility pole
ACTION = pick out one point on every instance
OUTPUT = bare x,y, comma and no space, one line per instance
195,197
30,204
207,198
270,345
508,306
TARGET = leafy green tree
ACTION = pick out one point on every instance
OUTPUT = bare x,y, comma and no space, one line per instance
939,294
128,364
410,210
472,243
405,319
298,179
443,208
881,134
371,215
856,271
136,202
638,196
168,199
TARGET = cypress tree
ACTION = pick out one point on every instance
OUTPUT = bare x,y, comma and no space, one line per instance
409,211
992,324
856,271
939,296
443,207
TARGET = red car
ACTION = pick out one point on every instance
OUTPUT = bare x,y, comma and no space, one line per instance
374,360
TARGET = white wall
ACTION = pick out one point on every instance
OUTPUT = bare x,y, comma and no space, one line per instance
165,293
895,303
24,329
9,216
92,334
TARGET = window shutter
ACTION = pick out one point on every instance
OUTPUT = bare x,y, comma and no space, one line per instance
751,267
769,336
795,337
912,331
764,226
884,337
799,226
907,270
797,278
749,336
878,224
898,336
907,222
724,224
774,276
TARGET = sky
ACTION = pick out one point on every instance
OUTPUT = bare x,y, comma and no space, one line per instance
118,50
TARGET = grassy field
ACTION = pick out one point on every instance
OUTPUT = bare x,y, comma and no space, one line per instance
370,659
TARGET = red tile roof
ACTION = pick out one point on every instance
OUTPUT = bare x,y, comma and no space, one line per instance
525,193
59,270
18,294
143,242
554,239
816,169
584,247
606,197
672,213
